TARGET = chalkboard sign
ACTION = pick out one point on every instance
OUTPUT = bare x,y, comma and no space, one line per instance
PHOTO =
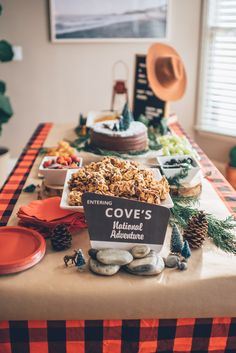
144,101
122,223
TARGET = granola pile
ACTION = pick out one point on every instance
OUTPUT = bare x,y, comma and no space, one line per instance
116,177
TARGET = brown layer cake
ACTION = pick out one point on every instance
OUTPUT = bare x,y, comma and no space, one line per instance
133,139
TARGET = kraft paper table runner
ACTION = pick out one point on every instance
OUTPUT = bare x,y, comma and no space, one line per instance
49,291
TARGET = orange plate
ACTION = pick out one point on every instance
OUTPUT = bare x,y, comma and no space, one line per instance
20,248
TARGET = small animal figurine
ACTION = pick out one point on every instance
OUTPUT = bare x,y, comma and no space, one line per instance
71,258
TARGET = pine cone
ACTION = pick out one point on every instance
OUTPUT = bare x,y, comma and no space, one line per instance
61,238
196,230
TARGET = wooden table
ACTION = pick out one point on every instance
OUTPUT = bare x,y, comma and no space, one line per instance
115,305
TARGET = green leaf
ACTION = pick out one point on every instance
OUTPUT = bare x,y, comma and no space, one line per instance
155,146
5,110
0,9
232,156
6,51
163,126
2,87
42,150
30,188
142,118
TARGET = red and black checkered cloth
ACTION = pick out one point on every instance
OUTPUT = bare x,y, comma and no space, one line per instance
115,336
216,335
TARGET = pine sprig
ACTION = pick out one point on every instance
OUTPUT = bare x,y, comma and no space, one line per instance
176,180
180,214
220,231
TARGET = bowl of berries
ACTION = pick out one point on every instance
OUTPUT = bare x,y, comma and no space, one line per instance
184,166
54,169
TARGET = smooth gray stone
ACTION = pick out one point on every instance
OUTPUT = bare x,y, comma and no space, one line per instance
114,257
152,264
101,269
182,266
93,253
171,261
150,259
140,251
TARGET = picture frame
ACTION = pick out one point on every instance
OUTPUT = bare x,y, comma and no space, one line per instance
125,21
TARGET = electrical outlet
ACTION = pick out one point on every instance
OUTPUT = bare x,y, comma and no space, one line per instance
18,53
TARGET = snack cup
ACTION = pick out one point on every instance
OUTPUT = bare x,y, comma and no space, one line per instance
55,176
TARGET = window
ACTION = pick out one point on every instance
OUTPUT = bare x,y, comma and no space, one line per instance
217,98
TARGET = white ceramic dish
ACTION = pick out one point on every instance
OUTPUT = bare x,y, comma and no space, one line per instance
194,174
65,206
188,145
55,176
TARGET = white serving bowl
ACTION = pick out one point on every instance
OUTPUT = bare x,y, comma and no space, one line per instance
55,176
64,199
194,174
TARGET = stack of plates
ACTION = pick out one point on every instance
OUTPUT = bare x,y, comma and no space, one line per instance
20,248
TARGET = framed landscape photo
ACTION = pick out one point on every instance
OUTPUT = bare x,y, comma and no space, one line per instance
108,20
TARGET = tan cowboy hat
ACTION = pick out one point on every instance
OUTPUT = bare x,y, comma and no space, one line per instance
166,72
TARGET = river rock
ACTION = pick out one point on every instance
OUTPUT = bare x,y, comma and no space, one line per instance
152,264
171,261
140,251
114,257
93,253
101,269
182,266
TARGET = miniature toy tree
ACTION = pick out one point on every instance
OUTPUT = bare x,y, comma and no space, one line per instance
80,261
121,124
127,116
186,252
176,243
115,127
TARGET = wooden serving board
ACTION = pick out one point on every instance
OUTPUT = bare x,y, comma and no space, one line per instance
186,191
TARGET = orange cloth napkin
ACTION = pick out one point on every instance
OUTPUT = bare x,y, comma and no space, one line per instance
45,210
46,214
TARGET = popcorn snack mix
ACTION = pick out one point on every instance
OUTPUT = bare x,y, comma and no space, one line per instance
63,149
117,177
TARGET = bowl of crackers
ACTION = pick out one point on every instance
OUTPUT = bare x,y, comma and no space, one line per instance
115,177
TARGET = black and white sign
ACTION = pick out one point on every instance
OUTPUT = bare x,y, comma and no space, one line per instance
145,102
122,223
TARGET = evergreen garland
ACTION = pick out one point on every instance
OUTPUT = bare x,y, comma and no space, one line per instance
153,143
87,147
157,123
220,231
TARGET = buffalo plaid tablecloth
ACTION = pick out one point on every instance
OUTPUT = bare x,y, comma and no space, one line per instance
216,335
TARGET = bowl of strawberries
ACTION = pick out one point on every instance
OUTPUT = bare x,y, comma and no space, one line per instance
54,169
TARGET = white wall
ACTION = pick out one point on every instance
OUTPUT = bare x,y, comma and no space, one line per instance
54,82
